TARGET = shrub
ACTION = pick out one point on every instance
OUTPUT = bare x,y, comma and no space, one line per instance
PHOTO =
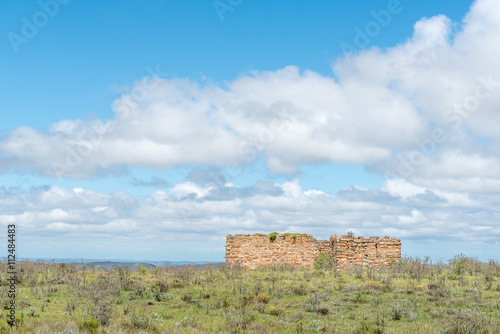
141,320
143,270
176,283
90,325
263,298
237,321
309,307
357,271
102,312
370,286
32,311
226,302
159,296
187,297
273,236
311,304
70,305
467,322
275,310
396,313
365,328
162,286
51,290
323,296
458,264
205,294
299,290
324,261
323,310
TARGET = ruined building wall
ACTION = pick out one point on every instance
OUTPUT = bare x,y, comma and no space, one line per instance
251,251
361,251
254,250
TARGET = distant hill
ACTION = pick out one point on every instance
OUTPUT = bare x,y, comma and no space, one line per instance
109,264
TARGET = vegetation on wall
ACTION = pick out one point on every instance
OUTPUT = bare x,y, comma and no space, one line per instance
272,236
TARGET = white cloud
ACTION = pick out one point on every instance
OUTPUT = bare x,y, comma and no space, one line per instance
379,102
401,188
61,227
403,209
189,188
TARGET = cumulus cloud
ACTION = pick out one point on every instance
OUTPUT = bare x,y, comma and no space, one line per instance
193,211
420,110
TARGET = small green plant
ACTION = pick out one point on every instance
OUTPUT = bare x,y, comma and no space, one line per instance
90,325
159,296
459,264
365,328
263,298
273,236
141,320
226,302
324,261
32,311
143,270
187,297
323,310
396,313
299,290
467,321
205,294
275,310
70,306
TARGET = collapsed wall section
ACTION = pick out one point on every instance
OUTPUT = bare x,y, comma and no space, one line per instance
254,250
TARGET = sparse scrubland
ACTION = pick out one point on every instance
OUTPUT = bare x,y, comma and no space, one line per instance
413,296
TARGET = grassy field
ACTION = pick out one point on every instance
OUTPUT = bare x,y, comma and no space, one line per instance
413,296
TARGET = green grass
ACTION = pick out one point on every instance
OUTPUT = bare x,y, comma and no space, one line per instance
413,296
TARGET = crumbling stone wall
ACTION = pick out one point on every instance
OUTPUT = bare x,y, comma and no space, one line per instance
359,251
253,250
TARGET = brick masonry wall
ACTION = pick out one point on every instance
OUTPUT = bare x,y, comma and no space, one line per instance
254,250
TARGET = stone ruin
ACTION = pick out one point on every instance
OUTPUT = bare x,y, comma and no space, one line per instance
254,250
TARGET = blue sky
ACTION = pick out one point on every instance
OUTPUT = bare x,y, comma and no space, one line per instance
152,99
